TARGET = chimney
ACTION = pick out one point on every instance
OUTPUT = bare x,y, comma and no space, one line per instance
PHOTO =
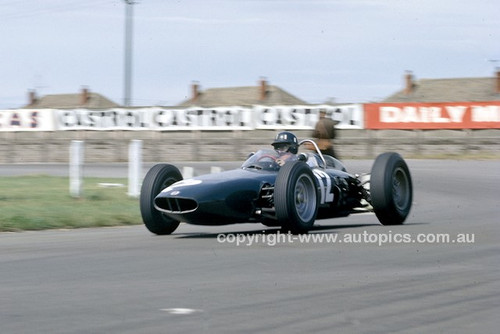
195,91
409,84
497,90
32,97
84,96
262,89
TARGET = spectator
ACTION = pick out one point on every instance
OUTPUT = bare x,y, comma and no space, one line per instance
324,133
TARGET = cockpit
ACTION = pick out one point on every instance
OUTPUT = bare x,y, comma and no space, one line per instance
269,160
272,160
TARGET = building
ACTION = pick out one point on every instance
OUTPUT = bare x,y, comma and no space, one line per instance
448,90
262,94
84,99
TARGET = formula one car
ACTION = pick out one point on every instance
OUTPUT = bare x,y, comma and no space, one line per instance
264,190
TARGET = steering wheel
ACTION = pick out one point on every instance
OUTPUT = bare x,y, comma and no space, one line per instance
266,156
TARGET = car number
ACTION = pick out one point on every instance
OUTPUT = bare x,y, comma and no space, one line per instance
325,186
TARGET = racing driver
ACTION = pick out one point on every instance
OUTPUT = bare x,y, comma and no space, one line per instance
287,145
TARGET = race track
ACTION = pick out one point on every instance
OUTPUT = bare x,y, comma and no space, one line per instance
439,273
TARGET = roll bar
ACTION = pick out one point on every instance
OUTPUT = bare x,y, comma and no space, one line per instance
317,150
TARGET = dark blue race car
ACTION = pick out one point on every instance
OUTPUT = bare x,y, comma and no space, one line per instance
276,189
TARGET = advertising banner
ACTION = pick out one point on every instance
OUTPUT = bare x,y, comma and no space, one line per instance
26,120
155,118
348,116
452,115
219,118
111,119
175,119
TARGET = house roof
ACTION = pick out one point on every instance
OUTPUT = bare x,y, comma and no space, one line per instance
448,90
242,96
67,101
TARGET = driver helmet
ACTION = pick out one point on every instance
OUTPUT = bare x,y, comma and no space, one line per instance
286,142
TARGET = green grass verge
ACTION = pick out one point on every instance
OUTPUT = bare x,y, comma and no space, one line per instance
43,202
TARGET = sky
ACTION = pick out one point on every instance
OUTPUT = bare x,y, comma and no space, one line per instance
343,51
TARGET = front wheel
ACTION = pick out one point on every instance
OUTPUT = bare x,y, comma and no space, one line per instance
296,197
391,189
158,178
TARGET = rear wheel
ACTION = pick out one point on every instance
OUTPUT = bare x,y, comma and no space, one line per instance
158,178
391,189
296,197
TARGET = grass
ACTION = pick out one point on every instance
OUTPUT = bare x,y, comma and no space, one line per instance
43,202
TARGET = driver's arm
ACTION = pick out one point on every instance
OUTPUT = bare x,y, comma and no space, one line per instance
283,159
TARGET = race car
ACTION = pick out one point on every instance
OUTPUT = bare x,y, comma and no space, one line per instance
277,189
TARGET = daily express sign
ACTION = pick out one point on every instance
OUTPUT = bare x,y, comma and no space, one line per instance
461,115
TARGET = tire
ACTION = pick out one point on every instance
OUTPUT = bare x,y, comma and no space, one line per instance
296,198
158,178
391,189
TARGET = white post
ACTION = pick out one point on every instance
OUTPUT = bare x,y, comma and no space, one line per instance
75,168
187,172
215,169
134,168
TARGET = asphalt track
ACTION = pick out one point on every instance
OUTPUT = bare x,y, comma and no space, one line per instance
198,280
